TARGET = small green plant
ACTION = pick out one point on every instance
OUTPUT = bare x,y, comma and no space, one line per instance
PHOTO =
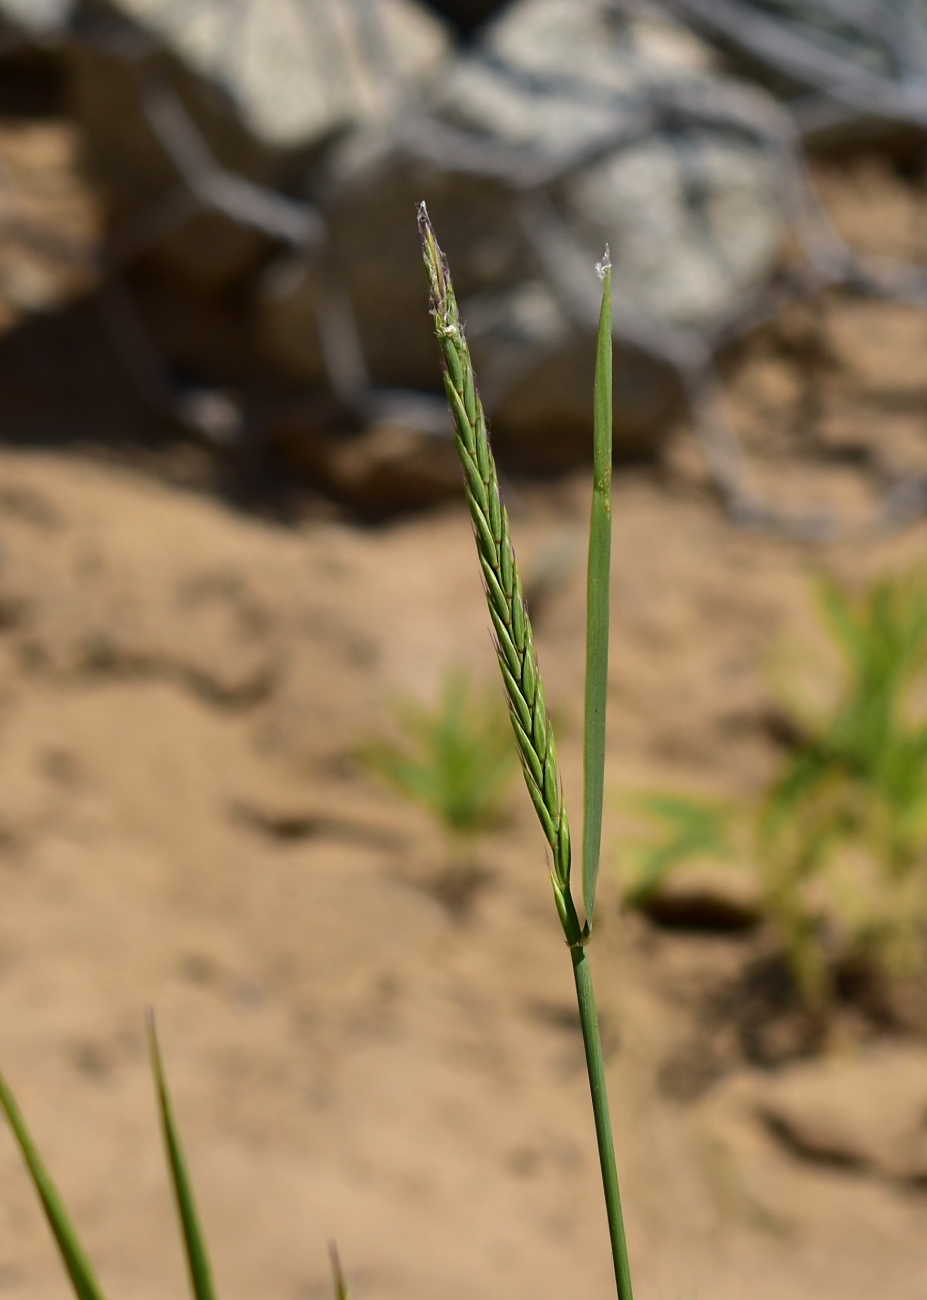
840,837
693,829
457,761
76,1262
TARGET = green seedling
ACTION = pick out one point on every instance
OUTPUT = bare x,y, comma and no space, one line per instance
686,831
840,836
850,808
76,1262
457,759
870,741
519,667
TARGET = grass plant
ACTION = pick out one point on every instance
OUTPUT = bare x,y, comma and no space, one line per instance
522,680
456,758
460,774
683,830
840,836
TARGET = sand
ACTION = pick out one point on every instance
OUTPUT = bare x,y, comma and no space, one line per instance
182,693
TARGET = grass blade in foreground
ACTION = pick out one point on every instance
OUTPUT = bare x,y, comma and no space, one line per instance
197,1257
597,600
79,1268
518,663
338,1278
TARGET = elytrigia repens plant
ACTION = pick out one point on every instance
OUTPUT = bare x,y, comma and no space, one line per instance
535,740
518,662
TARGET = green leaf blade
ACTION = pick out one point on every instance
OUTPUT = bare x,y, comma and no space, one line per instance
339,1282
597,602
76,1261
197,1257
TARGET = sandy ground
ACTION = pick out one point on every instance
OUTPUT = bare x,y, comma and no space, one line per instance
183,689
183,825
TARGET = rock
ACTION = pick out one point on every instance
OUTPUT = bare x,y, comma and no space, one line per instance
532,153
52,224
295,71
36,18
251,179
868,1112
694,220
705,897
847,70
540,413
264,83
690,267
383,470
596,44
131,169
286,312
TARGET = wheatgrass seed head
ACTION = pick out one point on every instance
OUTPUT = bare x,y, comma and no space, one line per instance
511,625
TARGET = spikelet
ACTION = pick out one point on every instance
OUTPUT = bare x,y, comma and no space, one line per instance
511,624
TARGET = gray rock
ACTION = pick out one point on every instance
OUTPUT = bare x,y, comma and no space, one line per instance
570,127
592,43
846,69
263,84
297,70
36,18
708,199
693,214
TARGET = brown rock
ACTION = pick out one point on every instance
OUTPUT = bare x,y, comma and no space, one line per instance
381,471
703,897
875,342
868,1112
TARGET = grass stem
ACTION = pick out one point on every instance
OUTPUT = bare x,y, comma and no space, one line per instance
515,649
595,1067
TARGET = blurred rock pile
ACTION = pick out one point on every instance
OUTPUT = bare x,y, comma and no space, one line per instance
259,165
844,68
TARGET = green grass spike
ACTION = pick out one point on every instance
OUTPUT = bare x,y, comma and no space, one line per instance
197,1257
78,1266
511,625
518,662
